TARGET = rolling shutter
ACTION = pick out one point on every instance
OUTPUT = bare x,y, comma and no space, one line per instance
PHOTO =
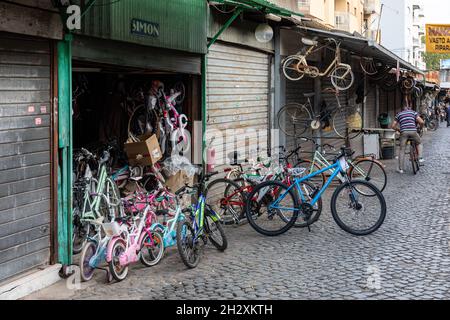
24,154
237,99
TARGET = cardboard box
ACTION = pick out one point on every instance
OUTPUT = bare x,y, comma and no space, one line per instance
178,181
145,152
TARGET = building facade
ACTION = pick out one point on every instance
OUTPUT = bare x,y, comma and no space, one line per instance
407,18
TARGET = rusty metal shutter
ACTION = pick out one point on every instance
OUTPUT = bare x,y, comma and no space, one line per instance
238,98
24,154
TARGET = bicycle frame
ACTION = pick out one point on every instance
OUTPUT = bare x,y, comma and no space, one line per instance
169,231
94,206
335,168
199,215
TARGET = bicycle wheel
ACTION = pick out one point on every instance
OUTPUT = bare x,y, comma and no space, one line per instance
225,197
152,249
308,214
79,233
215,232
141,122
294,119
347,122
118,271
342,78
432,125
368,66
370,171
354,211
413,157
311,167
88,251
292,68
269,220
188,246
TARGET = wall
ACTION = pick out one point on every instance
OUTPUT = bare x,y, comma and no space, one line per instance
354,21
394,17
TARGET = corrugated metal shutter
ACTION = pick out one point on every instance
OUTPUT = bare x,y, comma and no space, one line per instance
295,91
370,108
238,98
329,135
24,154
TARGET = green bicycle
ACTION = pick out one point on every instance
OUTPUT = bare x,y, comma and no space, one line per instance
201,224
104,203
365,168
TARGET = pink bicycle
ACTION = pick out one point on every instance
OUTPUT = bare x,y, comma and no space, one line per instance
138,241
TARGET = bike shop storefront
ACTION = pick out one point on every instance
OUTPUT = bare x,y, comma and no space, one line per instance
136,82
375,81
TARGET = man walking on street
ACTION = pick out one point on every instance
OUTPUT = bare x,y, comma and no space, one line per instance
408,120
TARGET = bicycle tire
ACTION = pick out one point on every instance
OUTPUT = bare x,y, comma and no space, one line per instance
121,272
231,214
287,65
350,116
338,80
182,227
432,125
251,217
368,66
377,194
88,251
373,164
413,155
154,259
141,123
318,180
300,118
209,224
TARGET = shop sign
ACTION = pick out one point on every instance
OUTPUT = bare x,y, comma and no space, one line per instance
144,28
438,38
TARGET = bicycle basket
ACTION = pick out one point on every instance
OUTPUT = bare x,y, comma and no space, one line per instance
112,229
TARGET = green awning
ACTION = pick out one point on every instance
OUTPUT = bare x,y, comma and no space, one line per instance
260,5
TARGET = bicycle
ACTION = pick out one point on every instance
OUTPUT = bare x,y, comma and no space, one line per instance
364,167
137,242
295,119
201,224
104,203
414,155
295,67
291,201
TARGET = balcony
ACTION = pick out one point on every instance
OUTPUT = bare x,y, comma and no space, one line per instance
372,7
345,21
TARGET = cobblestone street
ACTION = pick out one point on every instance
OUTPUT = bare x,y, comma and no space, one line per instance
408,258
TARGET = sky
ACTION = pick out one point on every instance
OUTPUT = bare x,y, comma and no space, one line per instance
437,11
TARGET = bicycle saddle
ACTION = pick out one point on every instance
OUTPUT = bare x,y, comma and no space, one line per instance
309,95
309,42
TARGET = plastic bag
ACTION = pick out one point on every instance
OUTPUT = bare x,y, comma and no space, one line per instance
176,163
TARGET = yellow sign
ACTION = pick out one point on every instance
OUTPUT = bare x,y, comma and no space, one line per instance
438,38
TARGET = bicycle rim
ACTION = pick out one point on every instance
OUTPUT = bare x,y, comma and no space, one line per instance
370,171
291,68
347,122
264,216
342,78
294,119
354,211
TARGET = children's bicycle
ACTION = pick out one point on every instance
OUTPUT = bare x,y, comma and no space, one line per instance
357,206
201,224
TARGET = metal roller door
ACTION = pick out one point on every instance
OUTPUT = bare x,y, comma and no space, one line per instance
295,91
238,98
24,154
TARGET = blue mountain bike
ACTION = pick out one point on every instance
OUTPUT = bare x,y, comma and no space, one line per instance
357,206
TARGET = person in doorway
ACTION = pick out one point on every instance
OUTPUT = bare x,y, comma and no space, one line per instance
406,122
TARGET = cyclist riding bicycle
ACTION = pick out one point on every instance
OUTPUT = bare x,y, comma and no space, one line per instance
406,122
